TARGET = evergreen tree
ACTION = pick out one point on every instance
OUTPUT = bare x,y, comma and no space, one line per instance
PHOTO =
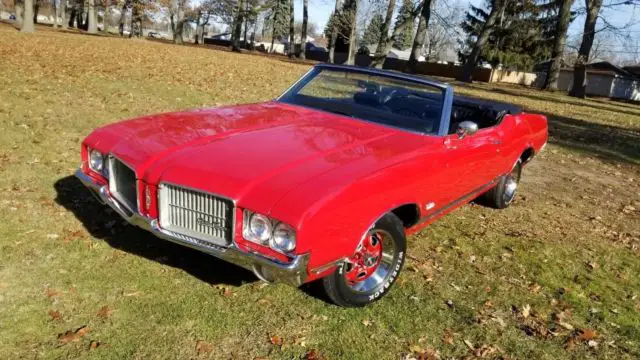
278,19
372,32
344,28
520,37
405,37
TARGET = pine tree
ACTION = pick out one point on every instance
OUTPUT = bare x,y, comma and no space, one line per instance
520,37
372,32
405,38
344,27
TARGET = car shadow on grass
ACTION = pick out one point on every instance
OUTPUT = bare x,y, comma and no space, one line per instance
104,224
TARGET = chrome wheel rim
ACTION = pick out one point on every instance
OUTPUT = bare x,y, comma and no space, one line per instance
371,264
511,185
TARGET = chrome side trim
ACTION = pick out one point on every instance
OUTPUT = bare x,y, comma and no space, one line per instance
292,273
459,201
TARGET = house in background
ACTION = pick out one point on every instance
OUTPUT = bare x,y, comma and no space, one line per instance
603,79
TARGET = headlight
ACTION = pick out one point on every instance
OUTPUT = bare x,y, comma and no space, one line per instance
96,161
265,231
260,227
284,238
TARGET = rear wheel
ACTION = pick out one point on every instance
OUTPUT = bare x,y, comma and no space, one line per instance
368,274
502,195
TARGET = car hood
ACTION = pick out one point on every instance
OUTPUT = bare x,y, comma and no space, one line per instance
254,153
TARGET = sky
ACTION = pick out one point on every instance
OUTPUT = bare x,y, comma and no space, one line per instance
319,11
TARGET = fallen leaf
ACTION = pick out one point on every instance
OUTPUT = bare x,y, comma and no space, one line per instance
447,338
105,312
526,311
276,340
314,355
51,292
366,322
203,347
73,335
55,315
586,334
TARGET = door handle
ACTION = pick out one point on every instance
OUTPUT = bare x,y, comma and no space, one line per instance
496,141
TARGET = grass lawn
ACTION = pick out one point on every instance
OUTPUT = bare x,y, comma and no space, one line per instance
554,276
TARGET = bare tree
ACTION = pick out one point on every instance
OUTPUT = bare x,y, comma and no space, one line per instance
497,7
19,8
559,43
92,18
334,33
123,16
27,20
353,11
237,27
421,34
441,38
292,34
382,49
386,41
303,34
178,19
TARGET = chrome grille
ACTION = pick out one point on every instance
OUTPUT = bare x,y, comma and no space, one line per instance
122,183
196,214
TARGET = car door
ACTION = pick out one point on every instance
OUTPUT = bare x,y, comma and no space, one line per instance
475,158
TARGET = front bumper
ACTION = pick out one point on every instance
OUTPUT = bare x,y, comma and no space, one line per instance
267,269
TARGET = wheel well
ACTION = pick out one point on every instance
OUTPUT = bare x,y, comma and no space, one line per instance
527,155
409,214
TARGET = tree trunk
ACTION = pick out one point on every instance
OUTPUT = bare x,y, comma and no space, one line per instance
105,15
123,16
19,7
292,34
246,26
560,41
303,35
382,49
237,27
334,33
92,18
36,9
421,34
198,27
579,88
27,19
351,59
62,7
470,65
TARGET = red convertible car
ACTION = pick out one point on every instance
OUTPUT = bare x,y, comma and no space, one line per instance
323,183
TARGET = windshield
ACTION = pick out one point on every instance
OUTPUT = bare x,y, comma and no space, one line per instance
372,97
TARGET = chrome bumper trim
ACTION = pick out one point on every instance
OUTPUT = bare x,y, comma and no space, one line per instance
293,273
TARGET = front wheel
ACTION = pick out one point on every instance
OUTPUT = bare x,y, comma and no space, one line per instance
368,274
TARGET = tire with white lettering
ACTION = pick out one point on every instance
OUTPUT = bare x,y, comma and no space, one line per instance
502,195
371,271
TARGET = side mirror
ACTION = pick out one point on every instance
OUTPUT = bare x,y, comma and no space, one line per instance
466,128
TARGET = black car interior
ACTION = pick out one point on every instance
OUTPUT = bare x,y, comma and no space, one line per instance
406,108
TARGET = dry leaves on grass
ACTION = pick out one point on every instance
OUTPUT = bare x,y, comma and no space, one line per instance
203,347
314,355
55,315
418,353
587,336
276,340
50,292
104,312
73,335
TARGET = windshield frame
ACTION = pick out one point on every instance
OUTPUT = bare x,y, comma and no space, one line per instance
447,92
